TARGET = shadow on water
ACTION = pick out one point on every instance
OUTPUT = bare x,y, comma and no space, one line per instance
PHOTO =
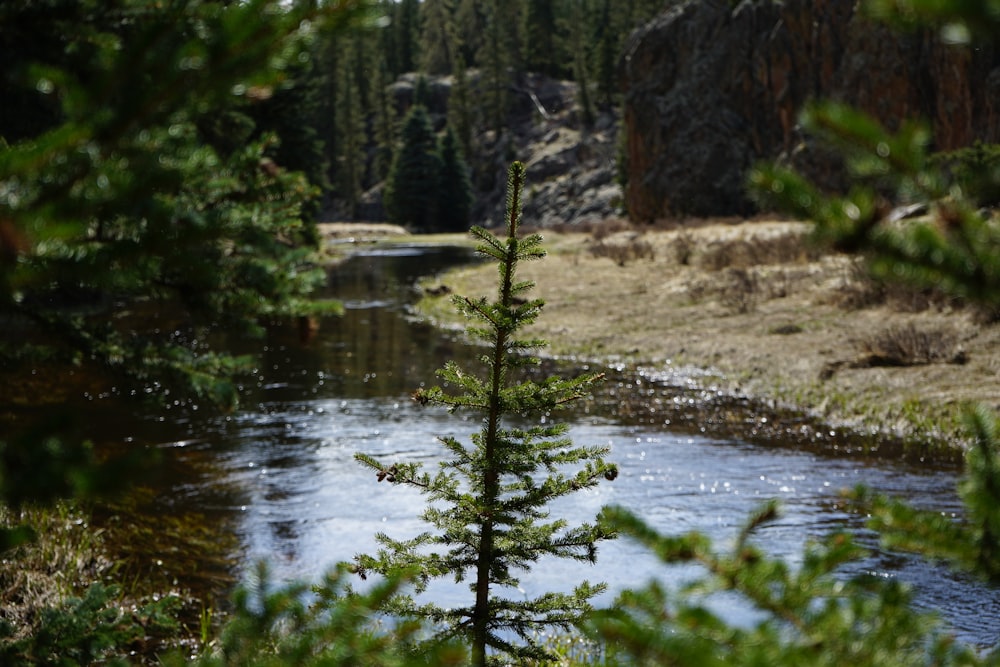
279,478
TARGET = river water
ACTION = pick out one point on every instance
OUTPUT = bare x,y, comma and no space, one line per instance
293,494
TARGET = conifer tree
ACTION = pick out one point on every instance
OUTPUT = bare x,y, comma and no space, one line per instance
384,120
460,110
438,38
487,503
455,189
422,92
387,38
471,25
407,35
609,39
495,63
579,46
292,113
412,185
540,38
351,160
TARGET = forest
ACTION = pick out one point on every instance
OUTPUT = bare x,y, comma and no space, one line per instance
163,168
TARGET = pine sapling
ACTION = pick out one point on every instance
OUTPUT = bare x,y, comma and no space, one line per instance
487,503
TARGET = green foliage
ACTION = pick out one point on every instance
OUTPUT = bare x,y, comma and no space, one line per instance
975,169
406,26
956,249
141,214
455,189
122,202
87,630
412,185
959,22
438,38
541,53
495,60
471,22
384,122
487,502
461,115
580,48
812,615
292,112
351,162
971,544
324,626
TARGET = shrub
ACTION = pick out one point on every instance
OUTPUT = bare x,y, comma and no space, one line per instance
739,292
909,345
621,253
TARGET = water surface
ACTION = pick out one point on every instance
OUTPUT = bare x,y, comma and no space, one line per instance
282,469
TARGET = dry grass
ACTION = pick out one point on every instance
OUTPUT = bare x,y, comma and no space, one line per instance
719,297
740,291
621,252
68,555
860,290
910,345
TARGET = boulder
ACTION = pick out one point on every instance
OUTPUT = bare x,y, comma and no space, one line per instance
712,88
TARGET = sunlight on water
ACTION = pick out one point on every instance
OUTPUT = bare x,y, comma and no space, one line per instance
303,503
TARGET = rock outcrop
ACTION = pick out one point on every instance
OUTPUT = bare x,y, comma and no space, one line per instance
710,89
571,167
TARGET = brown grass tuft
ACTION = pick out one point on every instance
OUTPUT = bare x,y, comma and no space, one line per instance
908,345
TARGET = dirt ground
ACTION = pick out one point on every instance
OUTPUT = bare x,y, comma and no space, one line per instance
764,313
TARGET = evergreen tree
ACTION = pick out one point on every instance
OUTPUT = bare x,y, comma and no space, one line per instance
126,192
351,158
384,121
422,92
438,39
470,22
460,109
511,20
487,503
388,38
495,63
540,50
455,188
407,35
292,114
579,46
609,40
318,627
955,248
411,189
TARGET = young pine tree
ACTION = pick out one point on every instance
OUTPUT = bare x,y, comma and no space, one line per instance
487,504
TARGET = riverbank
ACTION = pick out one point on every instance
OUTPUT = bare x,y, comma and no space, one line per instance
750,309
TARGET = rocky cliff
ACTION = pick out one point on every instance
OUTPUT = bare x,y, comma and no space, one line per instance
711,88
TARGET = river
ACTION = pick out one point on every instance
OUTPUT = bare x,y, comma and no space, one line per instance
280,472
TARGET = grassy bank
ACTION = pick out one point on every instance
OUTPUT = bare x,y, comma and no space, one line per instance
765,314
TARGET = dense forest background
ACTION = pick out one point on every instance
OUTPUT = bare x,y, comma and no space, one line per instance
342,111
342,119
